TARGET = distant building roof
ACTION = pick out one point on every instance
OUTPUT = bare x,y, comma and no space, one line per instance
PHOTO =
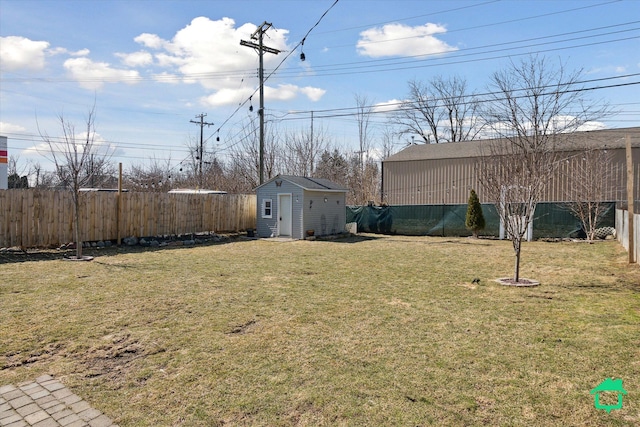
195,191
310,184
608,138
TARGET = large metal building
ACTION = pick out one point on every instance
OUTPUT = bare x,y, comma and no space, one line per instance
443,174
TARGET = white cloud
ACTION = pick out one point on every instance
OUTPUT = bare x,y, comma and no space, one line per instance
566,124
388,106
101,147
591,126
313,93
167,78
151,41
287,92
17,53
93,75
226,96
402,40
209,53
136,59
64,51
6,128
284,92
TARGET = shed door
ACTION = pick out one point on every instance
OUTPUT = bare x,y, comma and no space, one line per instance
284,215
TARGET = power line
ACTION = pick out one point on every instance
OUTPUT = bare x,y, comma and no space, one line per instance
429,60
457,9
404,59
394,105
337,113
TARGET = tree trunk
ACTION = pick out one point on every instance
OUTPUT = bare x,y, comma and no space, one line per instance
78,240
516,273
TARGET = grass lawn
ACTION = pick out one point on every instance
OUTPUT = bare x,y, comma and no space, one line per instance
374,330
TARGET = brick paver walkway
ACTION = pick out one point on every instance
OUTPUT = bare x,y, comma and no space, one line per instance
45,402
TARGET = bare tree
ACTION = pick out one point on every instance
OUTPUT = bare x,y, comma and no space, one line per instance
71,153
244,167
388,141
439,111
302,151
155,176
587,196
40,177
15,177
532,106
210,176
364,176
190,167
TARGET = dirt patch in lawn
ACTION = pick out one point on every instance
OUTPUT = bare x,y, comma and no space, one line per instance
115,356
17,359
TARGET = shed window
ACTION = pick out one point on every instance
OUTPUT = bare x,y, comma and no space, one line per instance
266,208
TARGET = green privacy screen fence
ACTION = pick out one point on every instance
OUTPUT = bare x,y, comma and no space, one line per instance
550,220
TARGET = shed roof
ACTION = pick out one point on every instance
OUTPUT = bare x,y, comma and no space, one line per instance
309,184
609,138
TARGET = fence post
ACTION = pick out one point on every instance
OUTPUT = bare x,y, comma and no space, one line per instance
630,201
119,203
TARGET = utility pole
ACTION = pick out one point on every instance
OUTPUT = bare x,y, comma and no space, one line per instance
258,35
202,124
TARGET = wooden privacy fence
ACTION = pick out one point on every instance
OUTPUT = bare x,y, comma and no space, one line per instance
44,218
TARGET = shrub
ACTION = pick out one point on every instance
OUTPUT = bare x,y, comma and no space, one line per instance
474,220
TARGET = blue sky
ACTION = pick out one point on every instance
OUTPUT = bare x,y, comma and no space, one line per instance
153,65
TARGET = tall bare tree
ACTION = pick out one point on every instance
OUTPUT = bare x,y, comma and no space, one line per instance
532,106
388,139
364,170
72,153
244,166
439,111
302,150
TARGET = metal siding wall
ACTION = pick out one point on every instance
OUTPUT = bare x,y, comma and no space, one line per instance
448,181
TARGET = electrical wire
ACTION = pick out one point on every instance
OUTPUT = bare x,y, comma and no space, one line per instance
345,115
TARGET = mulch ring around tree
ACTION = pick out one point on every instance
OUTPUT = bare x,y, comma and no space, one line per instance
522,282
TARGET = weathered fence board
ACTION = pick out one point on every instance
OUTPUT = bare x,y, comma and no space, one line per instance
42,218
622,231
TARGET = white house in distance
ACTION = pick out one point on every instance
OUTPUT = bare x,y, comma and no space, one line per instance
4,161
289,206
